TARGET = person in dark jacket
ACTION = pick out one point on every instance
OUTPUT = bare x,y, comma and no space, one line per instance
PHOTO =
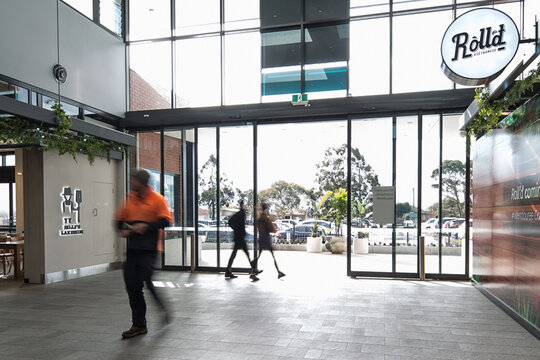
238,223
140,219
265,227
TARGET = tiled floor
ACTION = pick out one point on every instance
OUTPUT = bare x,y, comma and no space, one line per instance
302,316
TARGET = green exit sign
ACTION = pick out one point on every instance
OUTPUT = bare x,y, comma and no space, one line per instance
299,98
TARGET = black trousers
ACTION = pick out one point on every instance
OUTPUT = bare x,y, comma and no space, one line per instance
138,270
238,245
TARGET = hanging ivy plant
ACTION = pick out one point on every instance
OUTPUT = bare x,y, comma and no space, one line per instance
14,130
491,112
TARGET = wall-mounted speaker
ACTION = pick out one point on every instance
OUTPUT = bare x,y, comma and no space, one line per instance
60,73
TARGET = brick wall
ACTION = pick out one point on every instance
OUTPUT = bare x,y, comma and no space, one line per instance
148,152
142,96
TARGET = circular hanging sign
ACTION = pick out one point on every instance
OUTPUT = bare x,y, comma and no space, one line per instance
478,45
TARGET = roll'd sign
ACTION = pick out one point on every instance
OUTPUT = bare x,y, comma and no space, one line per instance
478,45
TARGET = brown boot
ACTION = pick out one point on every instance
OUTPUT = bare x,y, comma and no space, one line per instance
134,331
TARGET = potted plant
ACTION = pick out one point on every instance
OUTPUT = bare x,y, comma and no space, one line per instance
360,243
314,242
338,212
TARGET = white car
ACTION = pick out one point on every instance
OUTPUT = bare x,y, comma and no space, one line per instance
430,224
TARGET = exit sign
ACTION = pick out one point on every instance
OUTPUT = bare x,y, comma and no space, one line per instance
299,98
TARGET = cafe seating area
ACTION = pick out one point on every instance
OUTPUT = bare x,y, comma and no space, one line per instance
11,255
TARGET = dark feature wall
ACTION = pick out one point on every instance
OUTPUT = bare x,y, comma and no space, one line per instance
506,213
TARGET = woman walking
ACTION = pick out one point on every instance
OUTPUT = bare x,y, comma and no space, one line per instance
265,227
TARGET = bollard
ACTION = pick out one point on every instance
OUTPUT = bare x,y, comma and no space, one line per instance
422,259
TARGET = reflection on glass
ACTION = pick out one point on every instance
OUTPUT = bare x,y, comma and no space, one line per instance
6,89
280,12
4,205
399,5
236,183
149,19
285,80
241,14
110,15
366,7
317,10
406,193
370,74
146,155
173,194
281,48
416,52
207,206
242,68
326,77
197,17
83,6
324,44
149,88
10,160
453,189
21,94
430,191
374,154
198,72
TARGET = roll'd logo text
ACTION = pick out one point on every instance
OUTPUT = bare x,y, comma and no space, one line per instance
488,39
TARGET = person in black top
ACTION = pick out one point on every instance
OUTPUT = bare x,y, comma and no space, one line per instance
265,227
238,223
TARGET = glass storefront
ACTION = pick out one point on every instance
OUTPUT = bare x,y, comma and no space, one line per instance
292,167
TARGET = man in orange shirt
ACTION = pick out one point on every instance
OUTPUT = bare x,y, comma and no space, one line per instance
140,220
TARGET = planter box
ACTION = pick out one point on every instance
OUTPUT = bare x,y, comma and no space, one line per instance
314,244
360,246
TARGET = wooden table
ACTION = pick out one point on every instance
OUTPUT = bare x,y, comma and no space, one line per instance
17,247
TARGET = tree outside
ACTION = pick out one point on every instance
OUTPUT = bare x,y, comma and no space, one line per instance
332,175
208,187
453,186
284,198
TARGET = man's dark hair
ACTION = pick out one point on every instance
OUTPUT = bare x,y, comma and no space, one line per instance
141,176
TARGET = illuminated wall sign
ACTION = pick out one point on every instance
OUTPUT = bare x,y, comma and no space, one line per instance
71,204
478,45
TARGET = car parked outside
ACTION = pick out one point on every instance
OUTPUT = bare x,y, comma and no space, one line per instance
409,224
323,223
288,221
430,224
298,233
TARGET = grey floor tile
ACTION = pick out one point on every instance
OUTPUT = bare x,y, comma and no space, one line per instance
298,318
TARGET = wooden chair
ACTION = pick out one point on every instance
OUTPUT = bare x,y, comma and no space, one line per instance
6,257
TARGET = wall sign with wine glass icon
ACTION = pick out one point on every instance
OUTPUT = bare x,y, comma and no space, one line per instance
71,204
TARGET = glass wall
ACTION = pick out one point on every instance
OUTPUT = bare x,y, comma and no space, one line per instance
149,88
416,52
174,246
198,68
406,194
242,74
453,192
267,51
208,207
236,184
302,173
108,14
370,63
371,165
431,126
